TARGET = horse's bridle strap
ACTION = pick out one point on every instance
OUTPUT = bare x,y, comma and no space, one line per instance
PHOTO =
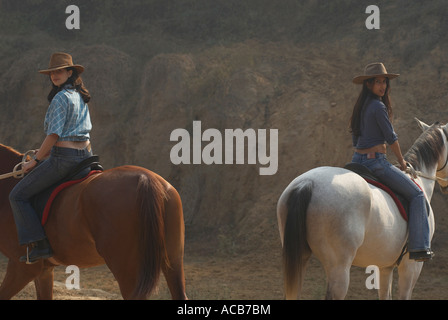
446,161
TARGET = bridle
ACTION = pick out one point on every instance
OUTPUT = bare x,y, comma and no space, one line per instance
445,131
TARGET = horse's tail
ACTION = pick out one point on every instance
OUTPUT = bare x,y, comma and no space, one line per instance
295,246
151,197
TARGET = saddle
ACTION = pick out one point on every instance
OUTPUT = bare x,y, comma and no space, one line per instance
364,172
43,201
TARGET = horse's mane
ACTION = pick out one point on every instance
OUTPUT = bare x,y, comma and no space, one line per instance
427,148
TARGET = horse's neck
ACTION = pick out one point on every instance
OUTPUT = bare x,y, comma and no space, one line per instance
427,184
8,158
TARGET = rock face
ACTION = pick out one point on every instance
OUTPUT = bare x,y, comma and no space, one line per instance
303,91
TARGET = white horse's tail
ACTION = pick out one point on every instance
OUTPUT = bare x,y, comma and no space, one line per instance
296,251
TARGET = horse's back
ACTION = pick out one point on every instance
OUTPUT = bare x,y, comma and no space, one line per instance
96,212
335,185
346,212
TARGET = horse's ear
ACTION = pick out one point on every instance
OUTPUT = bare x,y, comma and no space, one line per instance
445,127
422,125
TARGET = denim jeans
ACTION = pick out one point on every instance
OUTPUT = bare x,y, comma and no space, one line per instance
48,172
398,181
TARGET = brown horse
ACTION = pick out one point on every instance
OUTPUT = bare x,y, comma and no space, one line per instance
128,217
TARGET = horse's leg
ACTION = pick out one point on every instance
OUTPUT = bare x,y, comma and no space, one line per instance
122,258
174,242
385,290
408,273
336,255
44,284
338,279
18,275
336,249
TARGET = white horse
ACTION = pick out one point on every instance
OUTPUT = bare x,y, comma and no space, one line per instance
336,215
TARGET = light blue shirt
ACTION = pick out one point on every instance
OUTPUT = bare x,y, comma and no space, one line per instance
68,116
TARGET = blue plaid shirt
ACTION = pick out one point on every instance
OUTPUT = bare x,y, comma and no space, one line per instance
68,116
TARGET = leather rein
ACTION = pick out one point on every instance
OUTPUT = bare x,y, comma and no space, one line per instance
17,172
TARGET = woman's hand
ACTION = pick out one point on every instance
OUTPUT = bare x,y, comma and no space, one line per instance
403,165
42,152
28,166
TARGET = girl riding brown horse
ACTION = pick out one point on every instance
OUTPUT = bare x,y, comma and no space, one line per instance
128,217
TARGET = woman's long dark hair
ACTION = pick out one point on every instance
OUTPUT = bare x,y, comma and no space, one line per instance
76,81
355,120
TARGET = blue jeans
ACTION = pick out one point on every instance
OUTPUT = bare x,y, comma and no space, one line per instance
394,178
48,172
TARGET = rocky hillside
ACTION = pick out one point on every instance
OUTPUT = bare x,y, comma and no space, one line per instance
156,66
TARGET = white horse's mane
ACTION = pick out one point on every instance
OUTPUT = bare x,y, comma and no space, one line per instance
427,148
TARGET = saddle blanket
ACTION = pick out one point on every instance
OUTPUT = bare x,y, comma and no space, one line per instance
43,201
364,172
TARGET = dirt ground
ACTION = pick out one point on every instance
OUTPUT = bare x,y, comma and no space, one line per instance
217,271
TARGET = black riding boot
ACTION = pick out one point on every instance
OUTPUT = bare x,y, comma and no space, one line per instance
421,256
37,250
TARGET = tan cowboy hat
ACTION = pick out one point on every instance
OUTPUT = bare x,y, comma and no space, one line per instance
61,60
372,70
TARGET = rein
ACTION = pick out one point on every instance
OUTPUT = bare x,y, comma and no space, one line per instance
414,173
16,172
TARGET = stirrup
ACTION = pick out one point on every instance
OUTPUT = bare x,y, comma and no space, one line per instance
27,261
45,254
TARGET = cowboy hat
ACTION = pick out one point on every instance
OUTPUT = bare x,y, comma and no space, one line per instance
61,60
372,70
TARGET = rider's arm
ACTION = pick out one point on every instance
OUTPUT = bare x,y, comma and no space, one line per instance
43,152
397,151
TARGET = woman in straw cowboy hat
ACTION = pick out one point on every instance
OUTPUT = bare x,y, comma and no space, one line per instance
67,126
371,129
